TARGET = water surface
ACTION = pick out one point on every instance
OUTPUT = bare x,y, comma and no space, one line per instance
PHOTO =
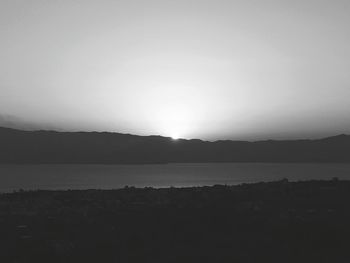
14,177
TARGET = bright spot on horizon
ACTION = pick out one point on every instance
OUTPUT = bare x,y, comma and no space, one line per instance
175,137
174,120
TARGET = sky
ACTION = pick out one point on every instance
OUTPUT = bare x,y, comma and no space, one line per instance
208,69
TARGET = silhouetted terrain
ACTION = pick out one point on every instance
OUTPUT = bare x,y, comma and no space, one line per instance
115,148
263,222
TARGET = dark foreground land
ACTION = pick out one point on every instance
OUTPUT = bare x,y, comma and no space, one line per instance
263,222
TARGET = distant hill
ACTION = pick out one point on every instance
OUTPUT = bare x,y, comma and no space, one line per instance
36,147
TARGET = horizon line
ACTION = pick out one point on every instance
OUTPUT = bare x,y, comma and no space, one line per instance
169,137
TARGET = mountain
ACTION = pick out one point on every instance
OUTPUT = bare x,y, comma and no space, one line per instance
34,147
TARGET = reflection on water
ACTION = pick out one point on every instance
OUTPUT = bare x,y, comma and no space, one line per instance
14,177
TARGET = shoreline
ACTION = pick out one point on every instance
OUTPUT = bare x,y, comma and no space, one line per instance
63,177
229,186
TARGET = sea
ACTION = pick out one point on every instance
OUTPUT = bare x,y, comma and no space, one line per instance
64,177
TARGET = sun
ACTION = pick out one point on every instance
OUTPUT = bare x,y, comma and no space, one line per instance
174,120
175,136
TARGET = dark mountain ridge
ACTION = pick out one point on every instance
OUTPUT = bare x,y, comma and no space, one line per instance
35,147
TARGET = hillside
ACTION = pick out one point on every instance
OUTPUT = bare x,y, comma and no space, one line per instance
114,148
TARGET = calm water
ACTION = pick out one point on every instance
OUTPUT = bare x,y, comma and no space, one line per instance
14,177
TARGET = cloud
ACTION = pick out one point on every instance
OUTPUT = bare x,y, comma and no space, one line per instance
14,122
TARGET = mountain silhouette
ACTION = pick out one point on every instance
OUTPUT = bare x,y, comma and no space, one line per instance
35,147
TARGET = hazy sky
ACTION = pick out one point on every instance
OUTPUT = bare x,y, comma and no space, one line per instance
209,69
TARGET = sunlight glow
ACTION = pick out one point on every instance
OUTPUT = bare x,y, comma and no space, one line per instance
175,136
174,121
